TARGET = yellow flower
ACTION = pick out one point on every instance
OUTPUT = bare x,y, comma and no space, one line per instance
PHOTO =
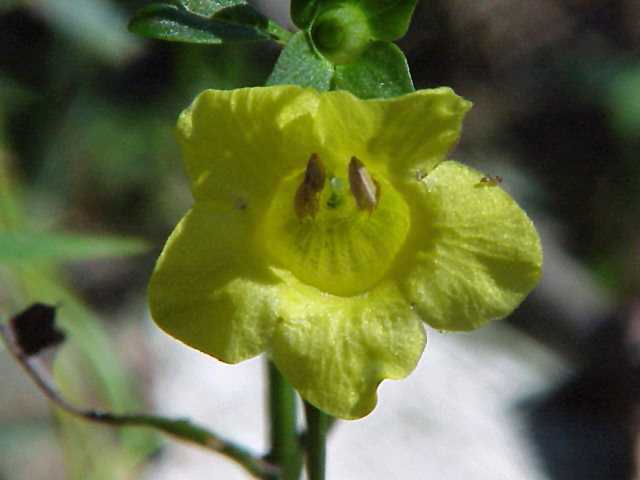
326,229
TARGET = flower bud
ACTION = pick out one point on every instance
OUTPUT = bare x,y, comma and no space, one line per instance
341,34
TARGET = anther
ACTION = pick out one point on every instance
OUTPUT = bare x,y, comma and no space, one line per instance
364,188
306,201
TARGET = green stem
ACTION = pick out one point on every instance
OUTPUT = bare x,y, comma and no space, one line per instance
279,33
285,449
316,440
179,428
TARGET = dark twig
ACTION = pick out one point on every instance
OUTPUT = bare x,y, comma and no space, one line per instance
181,429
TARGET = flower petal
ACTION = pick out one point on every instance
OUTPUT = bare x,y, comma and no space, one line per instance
479,254
208,291
414,131
237,143
336,350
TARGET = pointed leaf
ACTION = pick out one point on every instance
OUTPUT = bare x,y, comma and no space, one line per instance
380,72
245,14
299,64
207,7
388,19
167,22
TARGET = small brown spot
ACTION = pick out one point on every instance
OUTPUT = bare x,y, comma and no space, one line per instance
240,203
491,180
364,188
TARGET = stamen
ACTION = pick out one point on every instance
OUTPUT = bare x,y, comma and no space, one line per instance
364,188
314,174
306,201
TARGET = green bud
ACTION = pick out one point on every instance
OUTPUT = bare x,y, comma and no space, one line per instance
341,34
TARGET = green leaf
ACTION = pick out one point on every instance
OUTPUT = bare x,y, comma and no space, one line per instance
388,19
29,246
303,12
207,7
380,72
168,22
299,64
245,14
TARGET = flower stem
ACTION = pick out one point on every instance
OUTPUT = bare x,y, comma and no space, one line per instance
181,429
285,448
280,34
316,440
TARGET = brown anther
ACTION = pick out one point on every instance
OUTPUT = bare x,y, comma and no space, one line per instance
364,188
306,201
314,174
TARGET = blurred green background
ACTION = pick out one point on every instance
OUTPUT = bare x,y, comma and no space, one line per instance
91,184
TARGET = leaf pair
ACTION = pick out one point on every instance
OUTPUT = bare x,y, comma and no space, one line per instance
379,70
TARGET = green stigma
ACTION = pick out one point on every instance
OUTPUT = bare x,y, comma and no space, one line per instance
337,192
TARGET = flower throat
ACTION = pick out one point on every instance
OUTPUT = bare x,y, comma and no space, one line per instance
339,240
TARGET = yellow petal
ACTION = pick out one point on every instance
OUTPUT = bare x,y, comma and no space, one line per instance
239,143
208,290
336,350
398,135
478,254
